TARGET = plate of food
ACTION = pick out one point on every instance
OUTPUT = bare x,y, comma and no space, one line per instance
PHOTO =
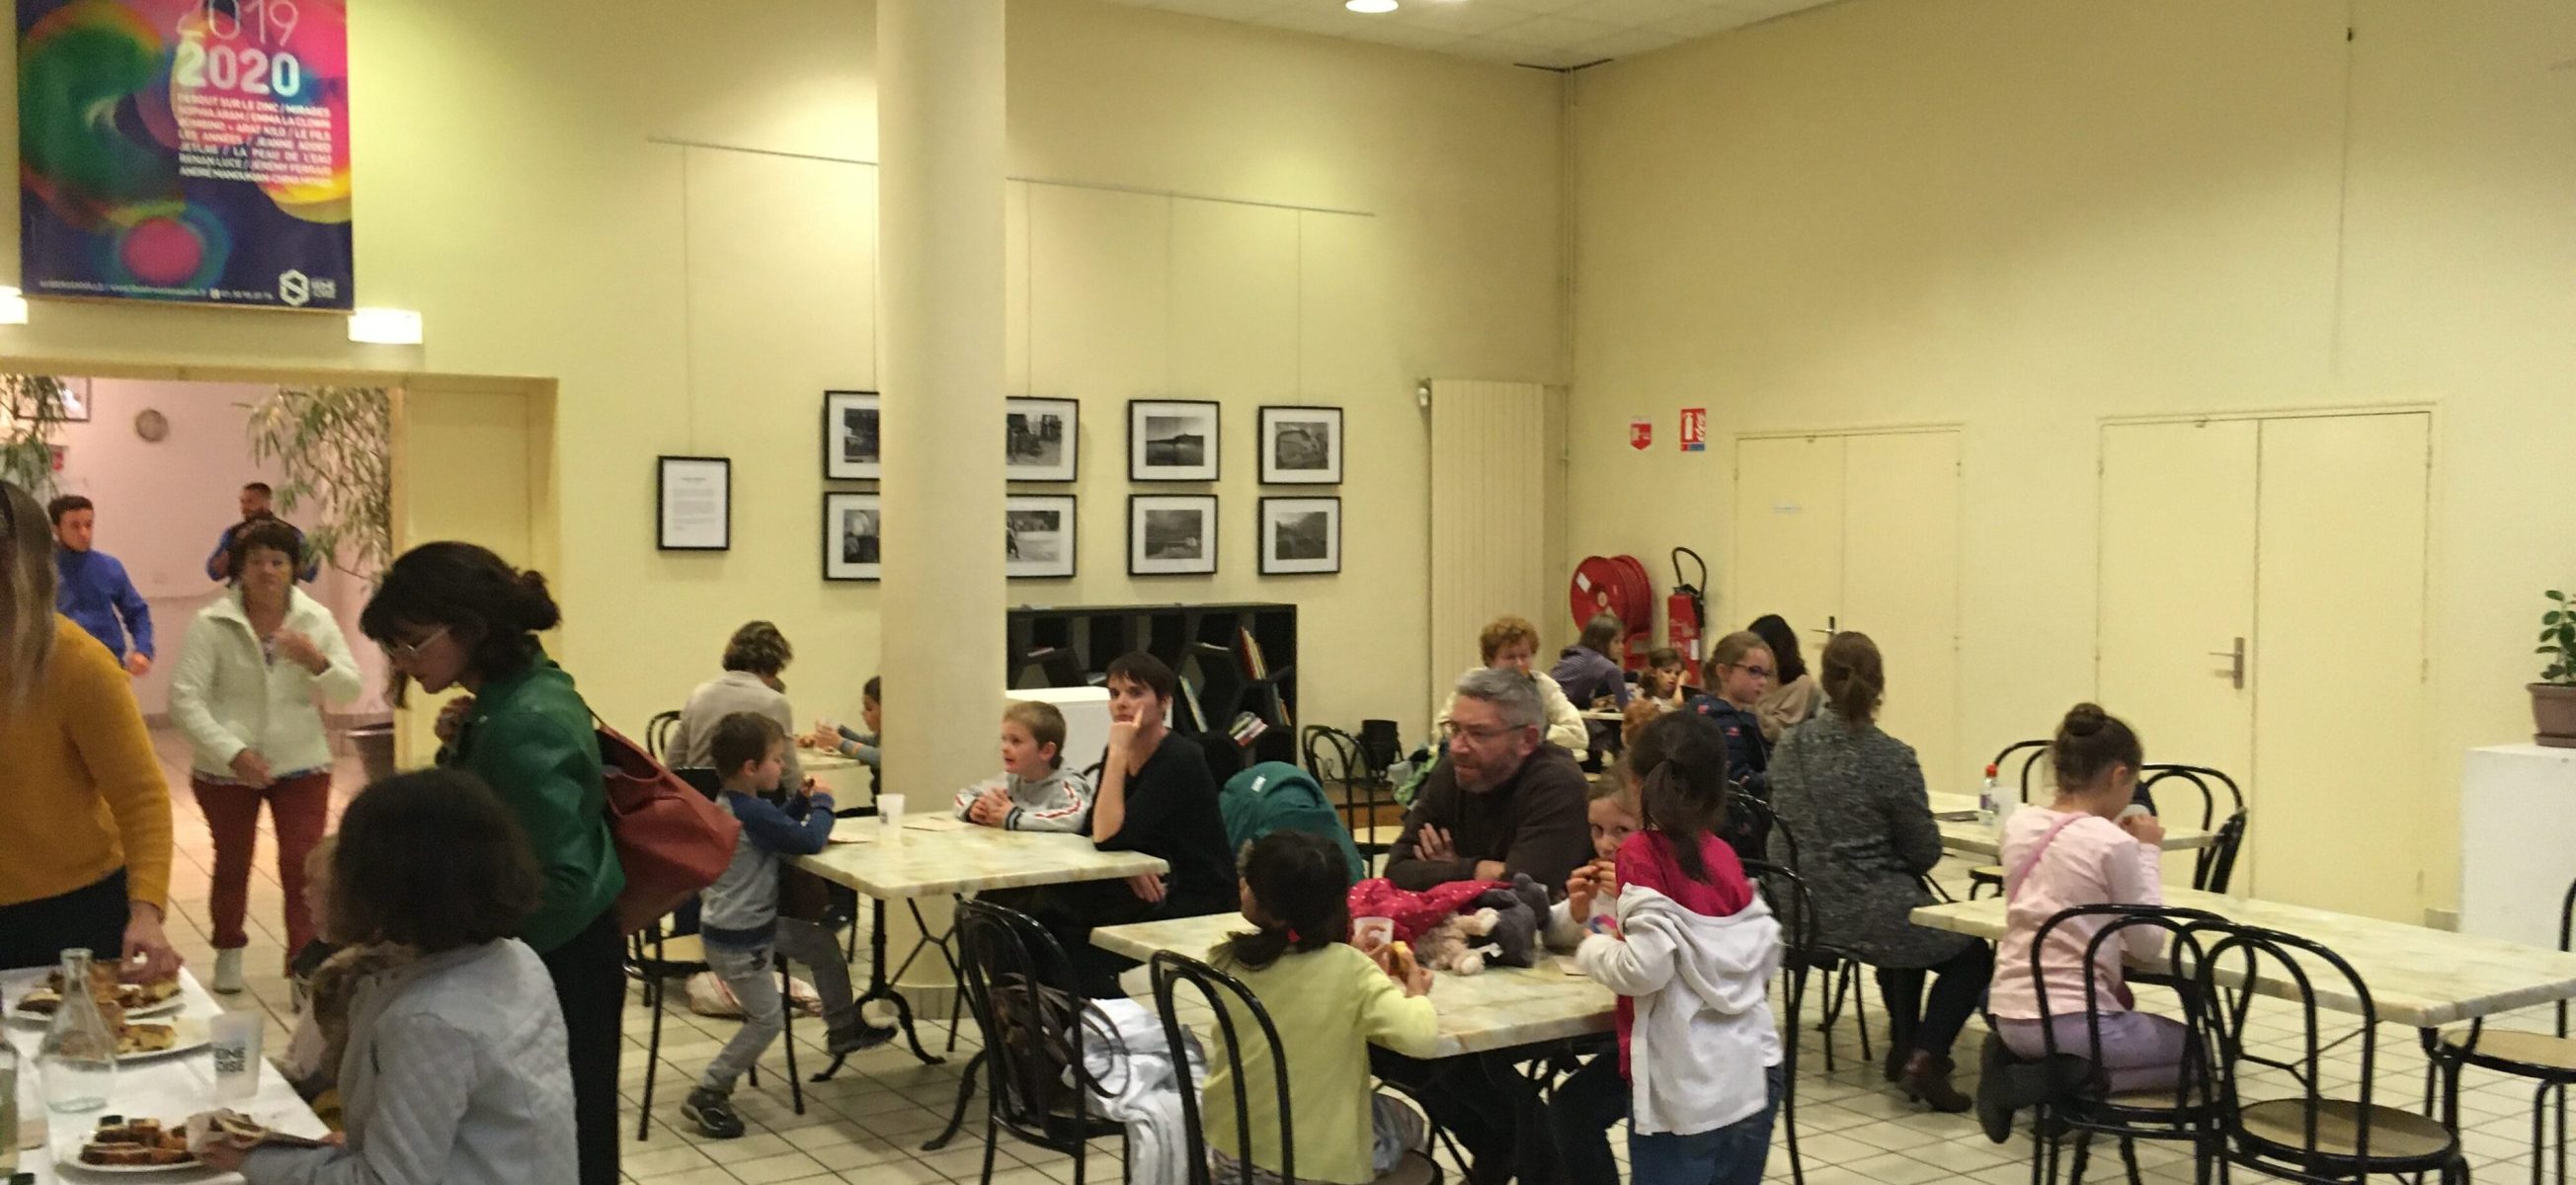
140,1039
158,998
121,1145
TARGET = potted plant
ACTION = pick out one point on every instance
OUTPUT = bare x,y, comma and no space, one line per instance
32,405
2553,699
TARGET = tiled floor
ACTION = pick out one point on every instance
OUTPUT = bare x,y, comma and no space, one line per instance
868,1125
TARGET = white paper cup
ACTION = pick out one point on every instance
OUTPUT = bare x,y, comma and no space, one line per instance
1370,934
890,816
236,1038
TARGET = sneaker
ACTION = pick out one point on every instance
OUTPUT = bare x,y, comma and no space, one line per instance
228,976
713,1113
855,1038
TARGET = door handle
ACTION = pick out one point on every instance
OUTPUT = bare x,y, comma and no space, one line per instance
2235,657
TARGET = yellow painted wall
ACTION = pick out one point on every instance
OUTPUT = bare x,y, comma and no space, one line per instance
2023,217
522,182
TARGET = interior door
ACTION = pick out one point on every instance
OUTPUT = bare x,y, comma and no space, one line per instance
1900,585
2177,590
1788,537
2340,757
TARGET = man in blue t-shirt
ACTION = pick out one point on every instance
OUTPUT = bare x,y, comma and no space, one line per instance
92,589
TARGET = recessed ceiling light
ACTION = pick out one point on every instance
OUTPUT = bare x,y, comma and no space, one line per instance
1371,6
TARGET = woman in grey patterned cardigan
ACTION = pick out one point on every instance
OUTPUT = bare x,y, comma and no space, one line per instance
1853,799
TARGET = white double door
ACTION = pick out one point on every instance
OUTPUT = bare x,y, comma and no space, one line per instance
1861,532
2262,613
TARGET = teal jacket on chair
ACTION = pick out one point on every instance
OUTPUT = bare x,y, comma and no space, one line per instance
1277,796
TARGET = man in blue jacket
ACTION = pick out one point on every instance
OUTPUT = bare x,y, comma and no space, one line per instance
92,589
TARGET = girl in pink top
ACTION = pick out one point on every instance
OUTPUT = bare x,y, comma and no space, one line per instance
2082,850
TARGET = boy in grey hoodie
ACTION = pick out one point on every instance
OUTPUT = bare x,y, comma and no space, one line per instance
1034,792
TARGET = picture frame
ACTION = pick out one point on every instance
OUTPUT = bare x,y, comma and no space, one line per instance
1301,445
1172,439
693,501
853,445
1041,439
1038,531
1301,536
853,536
73,408
1171,534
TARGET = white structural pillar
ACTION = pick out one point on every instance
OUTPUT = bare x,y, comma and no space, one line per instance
939,247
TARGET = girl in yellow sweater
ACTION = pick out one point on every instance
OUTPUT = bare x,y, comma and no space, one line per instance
1328,1001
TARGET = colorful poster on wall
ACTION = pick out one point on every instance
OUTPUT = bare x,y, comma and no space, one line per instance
1694,429
185,150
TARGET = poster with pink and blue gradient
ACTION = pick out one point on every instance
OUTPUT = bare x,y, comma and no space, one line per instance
185,150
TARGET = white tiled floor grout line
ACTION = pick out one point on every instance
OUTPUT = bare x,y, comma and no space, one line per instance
868,1125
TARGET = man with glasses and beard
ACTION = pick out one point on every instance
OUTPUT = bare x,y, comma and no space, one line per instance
1503,801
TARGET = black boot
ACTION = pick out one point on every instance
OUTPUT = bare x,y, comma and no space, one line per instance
1926,1080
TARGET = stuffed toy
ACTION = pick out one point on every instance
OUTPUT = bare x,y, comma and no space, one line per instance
1451,946
1520,920
1414,913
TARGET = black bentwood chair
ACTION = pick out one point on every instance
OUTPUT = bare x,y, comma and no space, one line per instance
2087,1106
1027,1001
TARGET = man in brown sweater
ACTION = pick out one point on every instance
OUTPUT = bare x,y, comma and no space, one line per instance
1504,801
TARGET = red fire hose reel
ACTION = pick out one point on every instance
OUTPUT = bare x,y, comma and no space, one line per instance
1617,585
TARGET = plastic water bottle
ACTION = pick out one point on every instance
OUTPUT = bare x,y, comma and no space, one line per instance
1990,800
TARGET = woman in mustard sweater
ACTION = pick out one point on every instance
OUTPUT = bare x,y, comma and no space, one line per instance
85,809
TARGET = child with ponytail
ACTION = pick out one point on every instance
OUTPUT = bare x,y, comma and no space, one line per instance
1329,1001
1691,951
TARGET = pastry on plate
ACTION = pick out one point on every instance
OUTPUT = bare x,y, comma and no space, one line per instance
136,1143
142,1038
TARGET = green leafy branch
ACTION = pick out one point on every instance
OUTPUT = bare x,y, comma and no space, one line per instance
33,404
334,446
2558,640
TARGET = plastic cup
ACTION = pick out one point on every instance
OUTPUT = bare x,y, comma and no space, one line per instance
1372,934
890,816
235,1037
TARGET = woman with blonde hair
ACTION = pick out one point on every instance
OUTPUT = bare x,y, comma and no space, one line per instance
1853,797
86,812
1509,643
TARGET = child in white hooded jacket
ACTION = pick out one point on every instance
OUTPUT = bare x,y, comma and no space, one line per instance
1691,953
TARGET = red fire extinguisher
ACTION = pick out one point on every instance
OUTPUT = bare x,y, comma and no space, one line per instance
1686,609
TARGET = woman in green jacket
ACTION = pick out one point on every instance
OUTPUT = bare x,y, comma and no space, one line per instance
454,615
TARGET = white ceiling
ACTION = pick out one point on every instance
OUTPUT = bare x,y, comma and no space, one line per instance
1558,34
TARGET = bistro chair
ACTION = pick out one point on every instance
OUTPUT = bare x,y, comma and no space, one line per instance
1991,876
2306,1135
1786,892
2083,1103
1233,1009
1842,984
655,957
1336,758
2546,1058
2215,863
657,735
1026,999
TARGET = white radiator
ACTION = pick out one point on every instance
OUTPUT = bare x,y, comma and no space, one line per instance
1489,484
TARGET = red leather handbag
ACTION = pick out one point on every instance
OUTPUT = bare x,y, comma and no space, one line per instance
673,840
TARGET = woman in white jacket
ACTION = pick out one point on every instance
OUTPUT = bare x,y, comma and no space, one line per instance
1510,644
244,694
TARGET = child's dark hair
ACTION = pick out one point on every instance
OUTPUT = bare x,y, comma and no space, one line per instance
492,610
1303,887
870,690
743,738
431,860
2088,742
1680,764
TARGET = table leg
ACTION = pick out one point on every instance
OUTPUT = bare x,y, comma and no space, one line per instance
965,1095
881,987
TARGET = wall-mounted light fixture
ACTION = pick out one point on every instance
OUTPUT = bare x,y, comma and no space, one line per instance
13,306
385,327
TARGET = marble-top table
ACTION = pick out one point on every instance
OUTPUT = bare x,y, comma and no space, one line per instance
2418,977
1501,1008
940,856
1968,837
818,761
170,1088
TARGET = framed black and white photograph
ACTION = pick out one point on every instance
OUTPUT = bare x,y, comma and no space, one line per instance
1038,530
1301,446
71,406
695,500
851,448
1171,440
853,537
1301,536
1040,439
1171,534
